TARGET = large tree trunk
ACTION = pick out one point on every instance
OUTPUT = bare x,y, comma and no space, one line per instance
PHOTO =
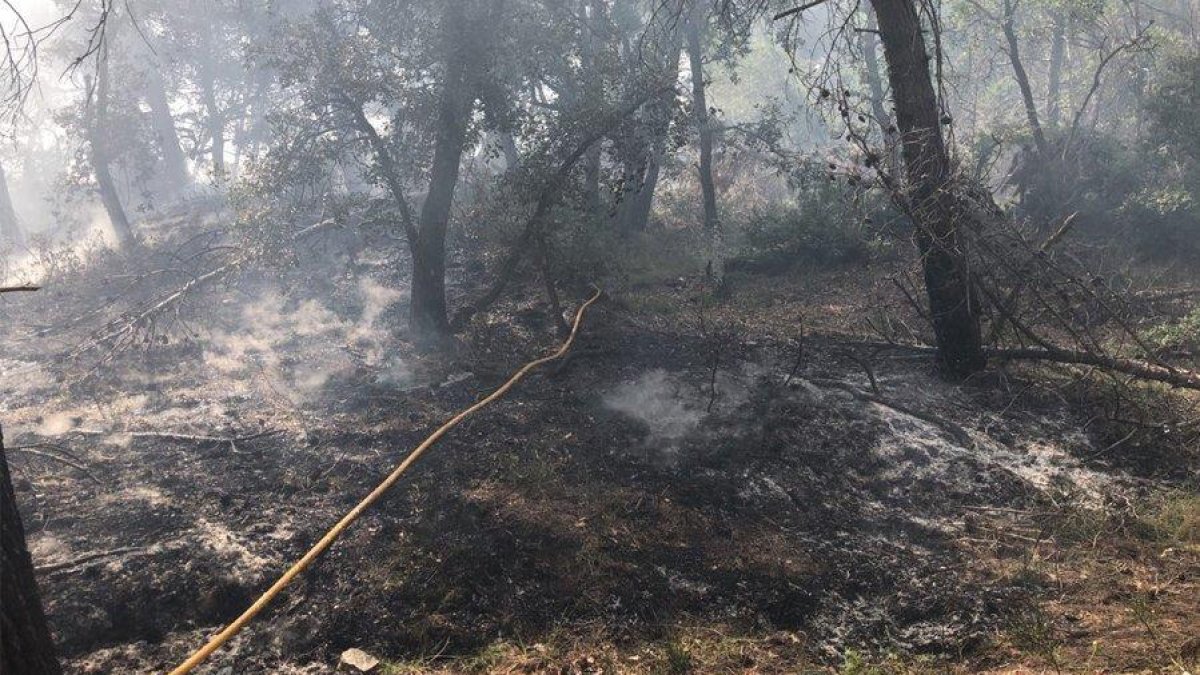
930,197
10,227
869,44
97,124
25,643
174,164
1008,26
712,223
427,311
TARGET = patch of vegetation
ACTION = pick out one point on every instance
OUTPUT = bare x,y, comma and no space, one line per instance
1182,334
1176,519
676,659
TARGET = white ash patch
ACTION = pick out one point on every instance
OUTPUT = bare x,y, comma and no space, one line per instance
231,545
147,494
919,451
47,549
57,424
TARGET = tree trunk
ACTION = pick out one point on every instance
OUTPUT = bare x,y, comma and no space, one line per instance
930,199
712,223
593,93
174,164
869,44
25,643
427,311
659,115
214,119
1008,26
1057,53
10,226
508,145
98,145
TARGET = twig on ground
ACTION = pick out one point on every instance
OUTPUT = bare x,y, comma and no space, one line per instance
955,431
90,557
35,449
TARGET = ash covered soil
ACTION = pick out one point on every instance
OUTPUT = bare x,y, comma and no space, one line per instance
669,497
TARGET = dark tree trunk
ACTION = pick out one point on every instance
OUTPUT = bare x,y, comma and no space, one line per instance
97,124
174,163
25,644
10,227
869,44
930,197
427,311
708,188
640,202
1008,26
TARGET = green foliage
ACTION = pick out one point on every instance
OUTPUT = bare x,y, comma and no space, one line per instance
1181,334
825,223
1172,106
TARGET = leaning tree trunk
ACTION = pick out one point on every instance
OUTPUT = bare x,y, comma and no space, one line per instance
708,188
1009,28
98,145
427,311
930,197
25,643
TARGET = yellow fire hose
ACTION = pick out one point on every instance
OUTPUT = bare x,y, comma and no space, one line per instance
326,541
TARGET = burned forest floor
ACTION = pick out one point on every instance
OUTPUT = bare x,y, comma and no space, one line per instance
746,484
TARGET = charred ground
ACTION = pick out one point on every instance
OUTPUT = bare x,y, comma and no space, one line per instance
708,485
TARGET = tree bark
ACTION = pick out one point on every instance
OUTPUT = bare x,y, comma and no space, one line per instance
174,164
214,118
930,198
869,44
10,226
593,93
25,642
659,114
1058,50
708,189
427,310
97,124
1008,26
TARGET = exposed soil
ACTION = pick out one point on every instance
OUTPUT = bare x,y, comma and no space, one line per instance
636,509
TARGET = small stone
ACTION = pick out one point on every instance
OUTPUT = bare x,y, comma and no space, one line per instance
357,661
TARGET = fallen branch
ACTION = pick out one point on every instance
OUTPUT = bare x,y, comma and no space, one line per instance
199,438
955,431
128,326
16,289
90,557
34,449
1176,377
